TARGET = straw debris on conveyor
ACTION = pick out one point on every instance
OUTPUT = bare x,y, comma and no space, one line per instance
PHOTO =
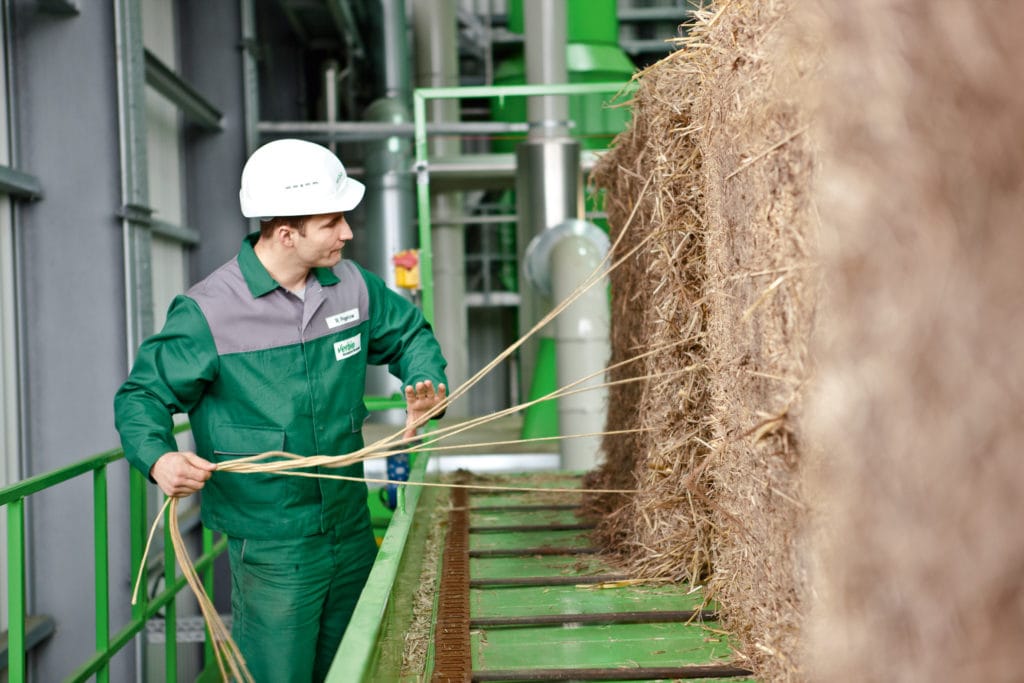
524,597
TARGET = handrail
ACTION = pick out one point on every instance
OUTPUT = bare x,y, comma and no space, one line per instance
35,484
27,487
356,653
107,646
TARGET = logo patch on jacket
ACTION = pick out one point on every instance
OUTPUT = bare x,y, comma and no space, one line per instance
343,318
348,347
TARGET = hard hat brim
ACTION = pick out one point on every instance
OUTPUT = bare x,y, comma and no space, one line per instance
346,199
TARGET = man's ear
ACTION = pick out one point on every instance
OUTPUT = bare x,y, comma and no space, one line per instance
285,235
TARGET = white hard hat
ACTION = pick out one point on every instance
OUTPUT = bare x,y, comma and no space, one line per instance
296,178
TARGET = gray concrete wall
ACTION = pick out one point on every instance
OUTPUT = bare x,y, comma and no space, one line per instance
211,60
66,129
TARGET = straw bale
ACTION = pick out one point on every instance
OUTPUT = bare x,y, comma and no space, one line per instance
763,292
729,273
657,300
920,561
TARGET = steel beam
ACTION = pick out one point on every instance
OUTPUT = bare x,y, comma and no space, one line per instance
645,673
371,130
548,580
675,616
534,552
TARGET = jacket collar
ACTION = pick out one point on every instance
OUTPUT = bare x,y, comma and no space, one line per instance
259,280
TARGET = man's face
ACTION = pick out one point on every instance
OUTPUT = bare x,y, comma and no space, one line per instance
325,236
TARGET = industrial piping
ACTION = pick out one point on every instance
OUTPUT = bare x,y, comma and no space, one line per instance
549,198
390,198
557,262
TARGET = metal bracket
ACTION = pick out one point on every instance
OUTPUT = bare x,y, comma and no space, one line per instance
168,83
19,184
65,7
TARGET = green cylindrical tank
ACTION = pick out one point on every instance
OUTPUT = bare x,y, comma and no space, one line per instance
589,21
593,55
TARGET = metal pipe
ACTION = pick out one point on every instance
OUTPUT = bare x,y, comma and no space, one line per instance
366,130
396,51
557,262
390,199
583,348
436,39
548,192
545,35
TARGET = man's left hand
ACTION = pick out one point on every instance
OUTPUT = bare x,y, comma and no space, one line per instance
419,401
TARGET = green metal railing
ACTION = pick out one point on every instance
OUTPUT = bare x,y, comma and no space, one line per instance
108,644
419,105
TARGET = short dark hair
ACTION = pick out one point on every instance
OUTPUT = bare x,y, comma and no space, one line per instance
268,226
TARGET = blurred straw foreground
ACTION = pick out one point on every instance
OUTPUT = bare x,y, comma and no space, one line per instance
832,193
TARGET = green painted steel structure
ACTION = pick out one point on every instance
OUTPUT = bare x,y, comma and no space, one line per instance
373,648
422,162
14,497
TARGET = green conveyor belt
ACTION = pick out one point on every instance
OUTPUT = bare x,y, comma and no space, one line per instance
520,646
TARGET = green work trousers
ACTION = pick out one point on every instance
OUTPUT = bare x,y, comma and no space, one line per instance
292,599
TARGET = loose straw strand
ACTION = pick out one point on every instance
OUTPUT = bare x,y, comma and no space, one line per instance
594,277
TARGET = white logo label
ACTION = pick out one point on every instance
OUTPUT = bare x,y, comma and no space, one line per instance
348,347
343,318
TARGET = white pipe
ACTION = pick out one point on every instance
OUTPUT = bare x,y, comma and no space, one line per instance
558,261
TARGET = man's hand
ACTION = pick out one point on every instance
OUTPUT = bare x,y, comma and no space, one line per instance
419,401
180,474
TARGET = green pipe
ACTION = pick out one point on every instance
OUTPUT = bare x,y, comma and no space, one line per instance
16,589
102,575
376,403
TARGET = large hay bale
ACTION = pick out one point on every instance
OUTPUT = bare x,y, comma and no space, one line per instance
719,164
656,302
922,393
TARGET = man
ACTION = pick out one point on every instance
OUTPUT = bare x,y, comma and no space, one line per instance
270,353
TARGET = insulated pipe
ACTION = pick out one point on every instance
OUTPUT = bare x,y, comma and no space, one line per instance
548,191
557,262
389,207
548,187
396,51
545,36
436,38
390,198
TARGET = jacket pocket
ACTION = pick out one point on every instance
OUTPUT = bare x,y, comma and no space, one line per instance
358,417
236,441
254,500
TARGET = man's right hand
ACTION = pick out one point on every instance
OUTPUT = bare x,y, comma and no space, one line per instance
180,474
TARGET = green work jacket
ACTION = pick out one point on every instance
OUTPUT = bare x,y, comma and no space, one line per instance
257,369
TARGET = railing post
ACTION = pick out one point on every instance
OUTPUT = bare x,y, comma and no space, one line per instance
100,535
16,590
209,657
171,611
